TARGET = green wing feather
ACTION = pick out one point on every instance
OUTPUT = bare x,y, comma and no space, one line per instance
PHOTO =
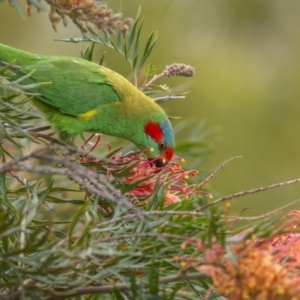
77,86
84,96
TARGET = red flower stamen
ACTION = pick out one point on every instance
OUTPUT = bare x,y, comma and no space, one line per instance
143,175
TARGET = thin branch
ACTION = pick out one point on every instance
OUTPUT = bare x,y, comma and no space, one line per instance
47,137
153,212
17,178
149,235
194,213
8,167
212,175
91,181
263,216
41,128
249,192
150,82
167,98
124,286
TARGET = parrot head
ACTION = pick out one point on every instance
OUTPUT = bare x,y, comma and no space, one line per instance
161,140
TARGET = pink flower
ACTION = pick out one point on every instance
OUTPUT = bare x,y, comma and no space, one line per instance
144,177
139,177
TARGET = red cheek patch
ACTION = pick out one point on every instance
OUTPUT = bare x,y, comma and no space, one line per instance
154,131
169,153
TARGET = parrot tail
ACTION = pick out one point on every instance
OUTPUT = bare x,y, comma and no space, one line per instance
12,71
17,57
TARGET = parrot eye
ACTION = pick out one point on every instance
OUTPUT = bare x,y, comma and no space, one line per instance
162,145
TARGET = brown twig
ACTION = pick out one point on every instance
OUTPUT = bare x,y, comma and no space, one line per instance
149,235
124,286
249,192
213,174
150,213
92,182
266,215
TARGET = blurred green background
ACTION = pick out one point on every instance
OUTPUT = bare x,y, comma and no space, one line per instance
246,55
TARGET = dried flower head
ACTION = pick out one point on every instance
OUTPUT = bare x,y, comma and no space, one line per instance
86,15
177,69
255,268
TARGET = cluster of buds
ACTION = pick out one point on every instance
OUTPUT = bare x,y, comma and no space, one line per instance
177,69
255,268
87,15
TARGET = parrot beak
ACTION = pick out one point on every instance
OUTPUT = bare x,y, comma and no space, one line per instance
158,162
165,157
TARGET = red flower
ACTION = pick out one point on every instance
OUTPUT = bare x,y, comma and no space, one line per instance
140,177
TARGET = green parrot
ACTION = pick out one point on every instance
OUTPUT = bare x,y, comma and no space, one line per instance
84,96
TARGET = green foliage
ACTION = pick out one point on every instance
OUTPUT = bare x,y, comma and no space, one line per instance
132,253
85,226
53,244
12,112
128,46
57,241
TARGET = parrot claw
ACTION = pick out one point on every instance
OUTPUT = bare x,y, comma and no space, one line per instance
67,154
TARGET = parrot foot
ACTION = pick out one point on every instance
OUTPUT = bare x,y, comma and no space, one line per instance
70,155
